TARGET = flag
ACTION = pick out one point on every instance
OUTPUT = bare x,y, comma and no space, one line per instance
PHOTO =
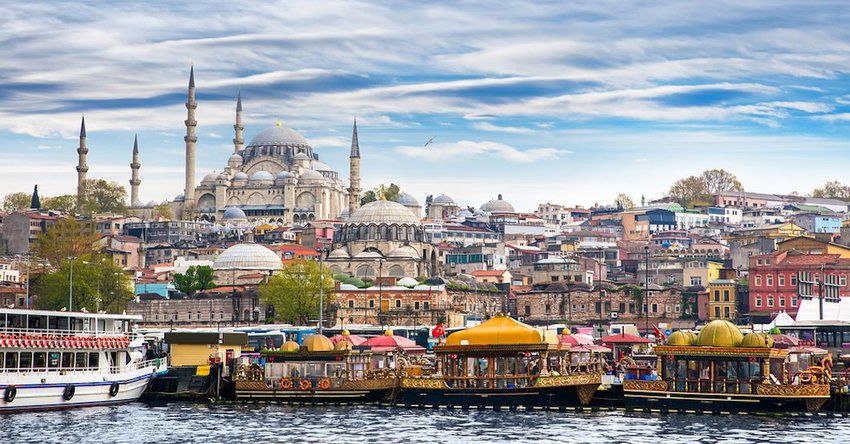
659,333
438,331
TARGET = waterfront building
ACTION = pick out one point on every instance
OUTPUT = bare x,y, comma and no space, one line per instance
221,306
396,303
722,301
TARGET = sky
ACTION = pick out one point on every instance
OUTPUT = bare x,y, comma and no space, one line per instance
562,102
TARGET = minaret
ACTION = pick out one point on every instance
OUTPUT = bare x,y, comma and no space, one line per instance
82,168
354,171
134,176
190,139
238,141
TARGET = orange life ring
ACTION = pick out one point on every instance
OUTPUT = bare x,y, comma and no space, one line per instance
305,384
325,384
286,383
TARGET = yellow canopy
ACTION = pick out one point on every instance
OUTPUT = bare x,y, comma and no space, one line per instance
499,330
317,343
720,333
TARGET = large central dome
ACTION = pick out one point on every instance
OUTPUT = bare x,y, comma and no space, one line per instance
278,141
383,212
278,136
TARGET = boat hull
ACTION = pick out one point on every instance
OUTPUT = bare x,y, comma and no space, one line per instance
352,392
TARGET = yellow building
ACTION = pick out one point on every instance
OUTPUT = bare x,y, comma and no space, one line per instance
778,233
197,348
721,299
808,245
700,272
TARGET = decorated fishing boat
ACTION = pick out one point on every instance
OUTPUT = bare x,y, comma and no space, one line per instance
504,363
55,360
317,371
722,370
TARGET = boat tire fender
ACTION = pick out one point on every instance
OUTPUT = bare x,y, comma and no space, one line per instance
10,393
113,389
68,394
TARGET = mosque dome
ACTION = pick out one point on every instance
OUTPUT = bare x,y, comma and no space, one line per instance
235,158
210,177
317,343
720,333
311,175
240,177
369,254
407,282
464,213
301,156
248,257
383,212
137,204
179,198
404,252
234,214
152,203
284,175
222,176
344,214
443,200
498,206
261,176
278,135
407,200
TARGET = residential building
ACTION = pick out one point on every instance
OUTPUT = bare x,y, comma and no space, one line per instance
725,215
474,258
460,234
722,300
700,272
808,245
819,222
687,220
167,231
492,276
21,229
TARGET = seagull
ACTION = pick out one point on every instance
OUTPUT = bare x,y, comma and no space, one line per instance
430,141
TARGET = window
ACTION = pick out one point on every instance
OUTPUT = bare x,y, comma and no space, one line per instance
759,262
80,360
781,301
758,280
94,360
793,301
655,308
781,279
769,301
716,311
398,303
351,303
842,281
371,303
758,301
678,308
769,279
793,279
767,261
527,310
416,305
598,307
725,295
716,295
726,312
426,305
696,280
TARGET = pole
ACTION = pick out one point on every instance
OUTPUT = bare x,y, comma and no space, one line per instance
380,292
820,291
321,290
646,288
71,287
27,300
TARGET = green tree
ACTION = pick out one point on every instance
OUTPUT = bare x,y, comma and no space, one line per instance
196,278
65,202
699,190
688,190
102,197
98,284
833,190
624,201
294,292
720,181
66,238
368,196
163,210
17,201
391,192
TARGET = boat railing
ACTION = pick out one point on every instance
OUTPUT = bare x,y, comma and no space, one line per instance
116,369
25,332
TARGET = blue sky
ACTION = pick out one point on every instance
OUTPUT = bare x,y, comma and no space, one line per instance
539,101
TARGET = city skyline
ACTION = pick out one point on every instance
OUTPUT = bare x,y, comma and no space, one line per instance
540,103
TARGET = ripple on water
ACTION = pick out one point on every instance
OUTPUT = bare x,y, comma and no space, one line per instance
189,423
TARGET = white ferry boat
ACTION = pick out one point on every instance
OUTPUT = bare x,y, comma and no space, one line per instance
55,360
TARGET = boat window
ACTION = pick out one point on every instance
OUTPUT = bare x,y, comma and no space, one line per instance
80,360
11,360
39,360
53,359
67,360
26,360
94,360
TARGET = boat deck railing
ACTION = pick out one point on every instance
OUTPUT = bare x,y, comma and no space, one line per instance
65,333
59,370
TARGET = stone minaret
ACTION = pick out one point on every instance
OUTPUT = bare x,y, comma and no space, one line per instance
82,167
238,141
190,139
354,171
134,169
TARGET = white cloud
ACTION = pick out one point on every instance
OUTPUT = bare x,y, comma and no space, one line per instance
487,126
467,148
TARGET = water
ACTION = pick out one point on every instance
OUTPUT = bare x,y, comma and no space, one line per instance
191,423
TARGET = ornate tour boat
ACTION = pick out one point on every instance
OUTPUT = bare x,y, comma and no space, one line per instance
55,360
319,372
722,370
503,363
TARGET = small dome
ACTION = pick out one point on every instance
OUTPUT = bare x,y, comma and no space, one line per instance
443,200
339,253
344,214
680,338
235,158
139,203
152,203
240,176
407,200
464,213
317,343
179,198
284,175
234,214
210,177
498,206
301,156
278,136
720,333
260,176
222,176
408,282
248,257
383,212
405,252
320,166
311,175
289,346
757,340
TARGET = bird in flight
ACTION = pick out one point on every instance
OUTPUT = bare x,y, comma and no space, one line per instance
430,141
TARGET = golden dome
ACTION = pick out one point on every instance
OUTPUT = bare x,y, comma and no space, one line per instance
680,338
499,330
388,332
757,340
345,333
317,343
342,345
289,346
720,333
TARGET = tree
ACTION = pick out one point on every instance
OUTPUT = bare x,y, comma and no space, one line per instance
196,278
720,181
17,201
65,202
163,210
833,190
294,292
101,197
688,190
66,238
368,196
36,201
429,199
623,201
98,284
391,192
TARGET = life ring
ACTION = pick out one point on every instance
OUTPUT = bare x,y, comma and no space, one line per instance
325,384
10,393
113,389
286,383
69,392
305,384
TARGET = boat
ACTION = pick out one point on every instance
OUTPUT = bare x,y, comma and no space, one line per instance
721,370
56,360
503,363
317,371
